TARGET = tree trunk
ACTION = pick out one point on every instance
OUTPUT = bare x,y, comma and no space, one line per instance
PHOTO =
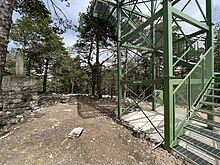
72,86
99,82
45,76
98,69
6,8
93,81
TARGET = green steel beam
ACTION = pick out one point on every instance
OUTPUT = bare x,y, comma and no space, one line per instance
210,44
152,35
119,59
180,61
126,8
134,26
181,57
126,45
169,115
175,2
189,19
192,70
142,26
145,82
136,12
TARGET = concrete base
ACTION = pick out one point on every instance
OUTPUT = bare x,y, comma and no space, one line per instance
139,123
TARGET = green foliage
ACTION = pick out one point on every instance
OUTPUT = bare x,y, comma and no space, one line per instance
68,75
38,42
95,36
32,8
37,8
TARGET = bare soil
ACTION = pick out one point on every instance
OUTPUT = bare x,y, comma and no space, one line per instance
43,140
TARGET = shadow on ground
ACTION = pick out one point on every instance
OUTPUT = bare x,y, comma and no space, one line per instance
89,107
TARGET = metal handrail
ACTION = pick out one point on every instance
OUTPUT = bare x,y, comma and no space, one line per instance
193,69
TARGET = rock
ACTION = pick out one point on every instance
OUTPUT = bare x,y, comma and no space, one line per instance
8,114
75,133
51,156
14,121
15,101
19,116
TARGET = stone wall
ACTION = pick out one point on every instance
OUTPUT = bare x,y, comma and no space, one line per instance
19,98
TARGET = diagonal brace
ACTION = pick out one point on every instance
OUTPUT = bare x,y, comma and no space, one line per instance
189,19
141,27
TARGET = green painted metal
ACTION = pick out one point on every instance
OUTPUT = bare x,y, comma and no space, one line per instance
189,19
169,115
210,44
142,26
162,57
152,35
146,82
119,58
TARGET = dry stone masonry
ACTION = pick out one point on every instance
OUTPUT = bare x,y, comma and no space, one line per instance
19,98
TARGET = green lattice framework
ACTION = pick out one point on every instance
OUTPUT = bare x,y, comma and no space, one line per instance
166,45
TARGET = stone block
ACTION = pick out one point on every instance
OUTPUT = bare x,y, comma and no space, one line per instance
18,81
19,111
75,133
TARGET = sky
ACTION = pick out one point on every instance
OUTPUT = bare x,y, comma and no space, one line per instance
77,6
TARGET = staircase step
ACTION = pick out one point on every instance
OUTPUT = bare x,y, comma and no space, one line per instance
204,132
214,96
193,158
202,146
215,89
208,122
214,113
211,104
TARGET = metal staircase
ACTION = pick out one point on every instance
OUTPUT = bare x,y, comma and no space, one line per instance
202,136
194,93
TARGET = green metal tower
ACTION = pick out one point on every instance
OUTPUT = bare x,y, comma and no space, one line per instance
165,47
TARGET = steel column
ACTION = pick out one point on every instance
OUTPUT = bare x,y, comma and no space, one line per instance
169,115
119,58
210,44
152,31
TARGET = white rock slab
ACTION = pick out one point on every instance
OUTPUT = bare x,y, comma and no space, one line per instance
75,133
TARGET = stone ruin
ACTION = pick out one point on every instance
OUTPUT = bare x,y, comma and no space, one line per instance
19,95
19,98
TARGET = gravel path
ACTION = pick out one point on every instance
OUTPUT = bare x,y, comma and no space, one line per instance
42,141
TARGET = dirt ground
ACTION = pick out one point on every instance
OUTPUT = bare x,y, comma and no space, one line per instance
43,140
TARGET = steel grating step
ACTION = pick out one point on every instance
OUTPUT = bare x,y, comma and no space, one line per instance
214,113
213,96
193,158
211,104
208,122
215,89
202,146
204,132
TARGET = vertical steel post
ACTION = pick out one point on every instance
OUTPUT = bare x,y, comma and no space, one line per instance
169,115
119,58
209,44
152,31
210,41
